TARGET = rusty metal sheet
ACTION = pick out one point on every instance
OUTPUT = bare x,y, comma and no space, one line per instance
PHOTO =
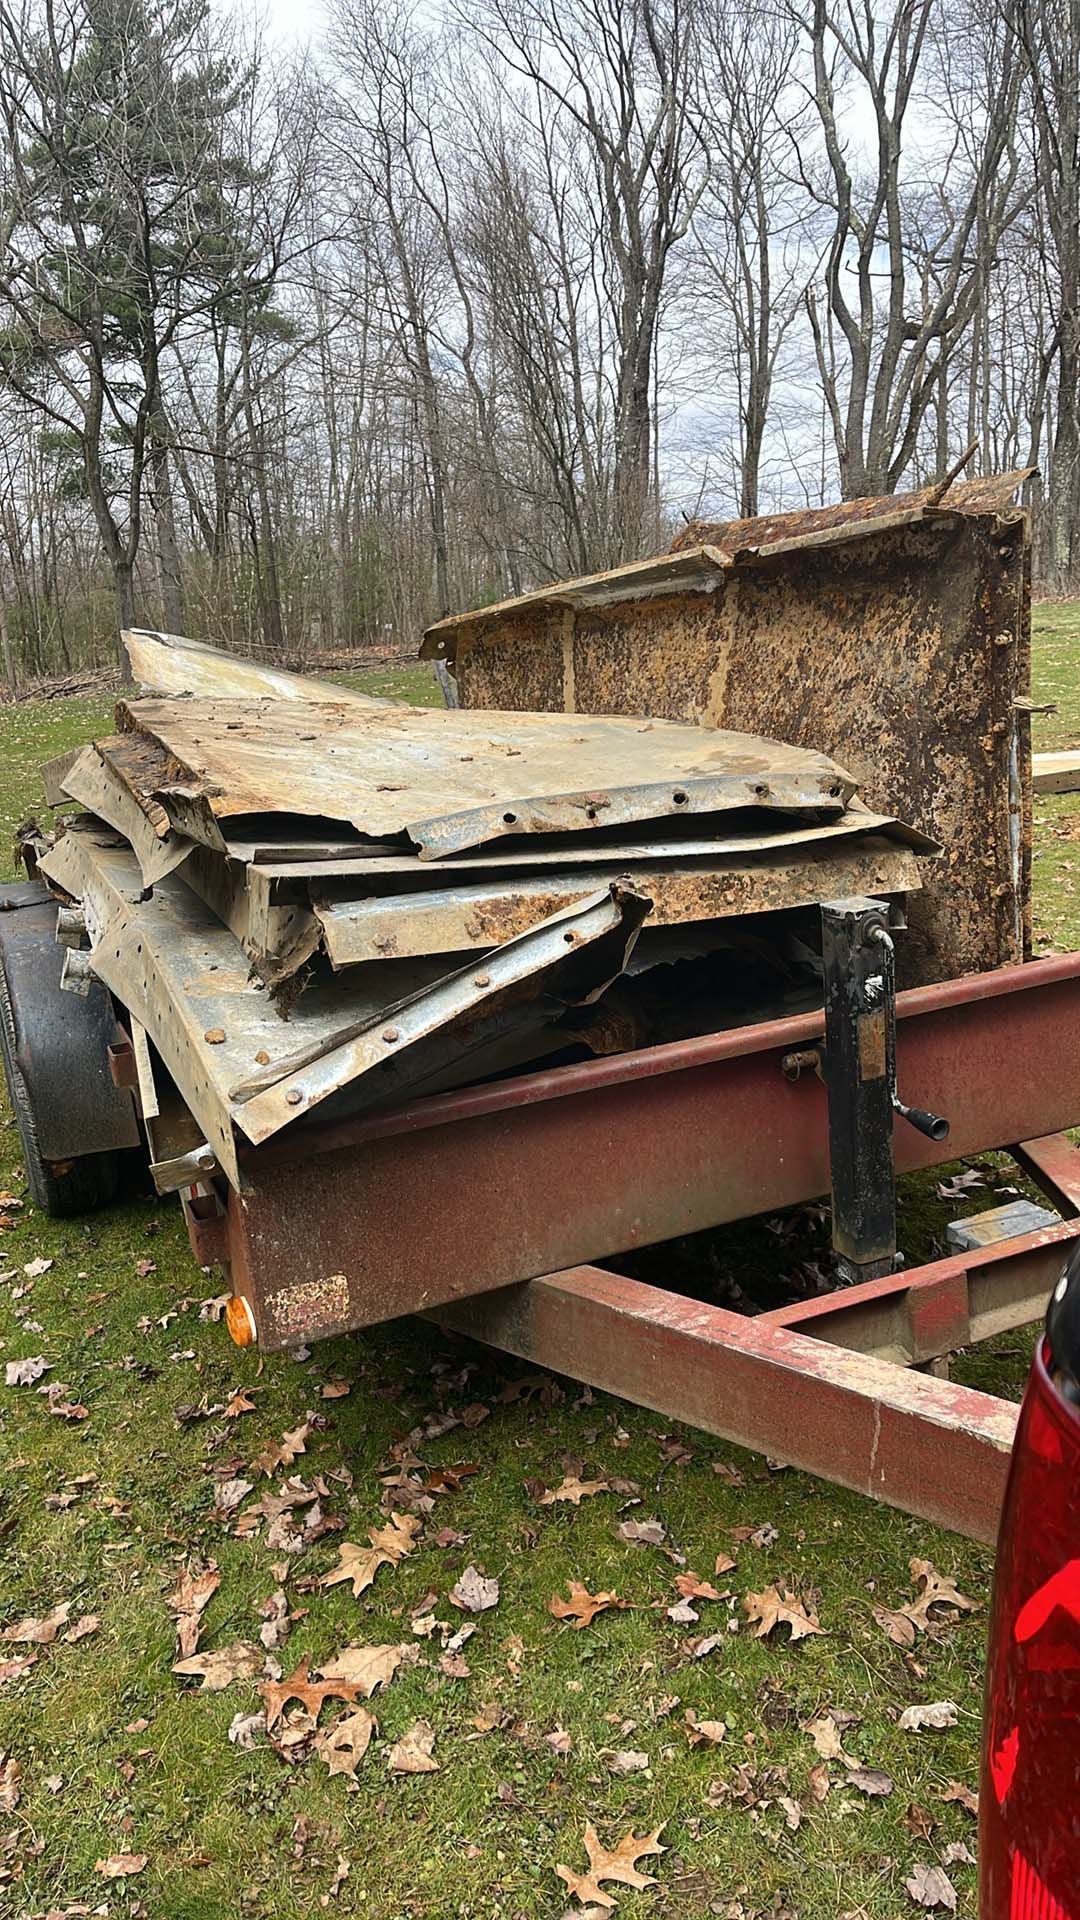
569,958
91,782
448,919
706,549
898,640
393,867
449,780
237,1062
170,663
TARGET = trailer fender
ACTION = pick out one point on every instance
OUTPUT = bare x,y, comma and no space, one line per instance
71,1117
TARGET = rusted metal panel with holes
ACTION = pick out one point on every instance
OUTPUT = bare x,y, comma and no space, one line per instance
894,634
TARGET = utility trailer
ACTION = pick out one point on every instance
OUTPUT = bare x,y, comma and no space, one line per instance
502,1207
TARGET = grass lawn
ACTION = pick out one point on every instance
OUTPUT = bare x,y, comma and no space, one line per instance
119,1757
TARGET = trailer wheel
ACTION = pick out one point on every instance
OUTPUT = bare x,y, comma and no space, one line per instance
74,1124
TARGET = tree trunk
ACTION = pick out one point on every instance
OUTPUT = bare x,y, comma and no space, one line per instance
168,551
6,651
124,584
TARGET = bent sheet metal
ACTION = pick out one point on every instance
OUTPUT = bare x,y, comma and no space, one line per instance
239,1065
446,780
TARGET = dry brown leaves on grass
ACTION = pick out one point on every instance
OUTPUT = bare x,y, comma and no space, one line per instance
39,1632
962,1796
120,1866
282,1453
901,1624
572,1490
703,1732
413,1752
931,1887
389,1545
310,1693
196,1588
343,1744
218,1670
474,1592
368,1668
583,1606
618,1864
776,1607
11,1773
936,1714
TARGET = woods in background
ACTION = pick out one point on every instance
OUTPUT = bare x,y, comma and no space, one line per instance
299,355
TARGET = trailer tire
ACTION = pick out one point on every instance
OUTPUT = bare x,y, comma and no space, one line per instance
70,1186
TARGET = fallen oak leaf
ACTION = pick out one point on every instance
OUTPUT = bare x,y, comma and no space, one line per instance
474,1592
936,1714
643,1533
11,1775
618,1864
934,1590
693,1587
283,1452
897,1625
119,1866
195,1590
776,1607
239,1402
825,1735
931,1887
871,1781
957,1853
413,1752
310,1693
217,1670
368,1668
15,1669
573,1490
39,1632
23,1373
623,1760
87,1624
703,1732
35,1268
389,1545
962,1796
343,1744
582,1606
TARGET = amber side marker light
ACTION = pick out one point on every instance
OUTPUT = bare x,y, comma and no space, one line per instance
240,1321
1029,1800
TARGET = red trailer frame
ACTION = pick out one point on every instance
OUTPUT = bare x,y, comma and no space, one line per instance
488,1208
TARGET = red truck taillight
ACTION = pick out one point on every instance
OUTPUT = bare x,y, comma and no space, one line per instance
1029,1803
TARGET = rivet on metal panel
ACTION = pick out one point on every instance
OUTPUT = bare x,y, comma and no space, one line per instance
293,1097
391,1035
482,980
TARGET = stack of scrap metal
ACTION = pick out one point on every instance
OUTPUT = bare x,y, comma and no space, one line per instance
311,902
